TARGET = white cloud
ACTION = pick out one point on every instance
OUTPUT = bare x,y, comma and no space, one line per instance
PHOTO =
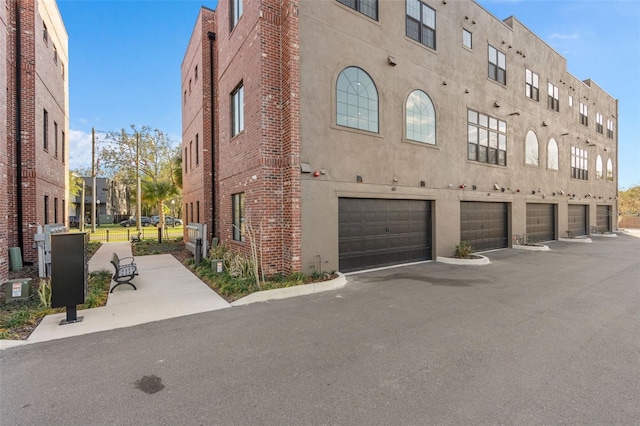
558,36
79,149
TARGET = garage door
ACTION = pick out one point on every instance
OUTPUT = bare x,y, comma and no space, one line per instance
577,219
541,222
374,232
603,219
484,225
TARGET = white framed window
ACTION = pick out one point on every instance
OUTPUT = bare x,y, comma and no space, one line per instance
552,155
237,110
421,23
467,39
497,65
610,128
486,138
235,12
531,149
420,118
531,85
599,123
553,98
570,100
366,7
579,165
584,114
598,167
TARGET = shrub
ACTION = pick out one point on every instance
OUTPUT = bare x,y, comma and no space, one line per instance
463,250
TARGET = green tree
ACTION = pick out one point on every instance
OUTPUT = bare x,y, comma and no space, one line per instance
629,201
157,193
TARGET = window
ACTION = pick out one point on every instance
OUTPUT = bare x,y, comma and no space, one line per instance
497,65
186,213
487,139
552,155
599,123
64,152
55,139
579,168
55,54
236,12
467,39
609,170
357,100
186,159
609,128
46,209
584,114
553,98
191,204
45,34
421,23
189,86
570,100
55,210
366,7
531,149
238,216
191,153
237,110
45,130
598,167
421,118
195,73
531,87
184,98
198,211
197,150
62,72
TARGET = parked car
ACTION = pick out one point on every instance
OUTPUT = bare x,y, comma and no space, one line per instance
74,221
168,221
144,221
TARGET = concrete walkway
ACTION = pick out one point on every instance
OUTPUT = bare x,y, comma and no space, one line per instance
166,289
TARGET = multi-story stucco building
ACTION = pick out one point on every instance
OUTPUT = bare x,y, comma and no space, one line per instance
355,134
33,146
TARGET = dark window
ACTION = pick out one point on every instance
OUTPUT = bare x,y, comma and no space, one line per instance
584,114
55,54
186,212
421,23
55,139
197,150
532,89
46,209
356,100
55,210
497,65
198,211
195,73
45,33
486,139
186,159
366,7
599,123
237,110
238,216
553,101
191,153
191,212
45,130
609,128
64,152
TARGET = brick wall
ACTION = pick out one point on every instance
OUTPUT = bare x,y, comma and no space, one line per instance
4,157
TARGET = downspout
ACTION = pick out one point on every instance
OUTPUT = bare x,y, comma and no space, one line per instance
19,130
212,37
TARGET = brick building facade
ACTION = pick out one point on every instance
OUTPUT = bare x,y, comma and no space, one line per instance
350,135
34,148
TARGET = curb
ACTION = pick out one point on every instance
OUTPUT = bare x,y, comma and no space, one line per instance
482,260
287,292
576,240
540,247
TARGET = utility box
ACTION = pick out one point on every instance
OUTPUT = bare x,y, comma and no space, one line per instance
18,289
69,271
217,265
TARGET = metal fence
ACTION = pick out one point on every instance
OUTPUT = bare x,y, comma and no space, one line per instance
125,234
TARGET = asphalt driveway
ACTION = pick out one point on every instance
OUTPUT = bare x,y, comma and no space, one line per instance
534,338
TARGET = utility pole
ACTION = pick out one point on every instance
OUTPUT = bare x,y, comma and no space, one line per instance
93,183
138,189
81,218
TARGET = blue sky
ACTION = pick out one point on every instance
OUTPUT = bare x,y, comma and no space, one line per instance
125,56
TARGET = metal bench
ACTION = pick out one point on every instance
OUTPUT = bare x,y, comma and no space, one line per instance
136,239
125,272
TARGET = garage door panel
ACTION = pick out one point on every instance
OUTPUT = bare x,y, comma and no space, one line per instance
390,232
577,219
541,224
603,219
484,225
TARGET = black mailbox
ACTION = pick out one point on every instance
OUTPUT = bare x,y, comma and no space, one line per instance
69,272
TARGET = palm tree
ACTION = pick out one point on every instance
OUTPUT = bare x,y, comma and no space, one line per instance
157,193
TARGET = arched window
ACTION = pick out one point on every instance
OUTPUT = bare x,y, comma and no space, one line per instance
531,149
552,155
356,100
609,170
598,167
421,118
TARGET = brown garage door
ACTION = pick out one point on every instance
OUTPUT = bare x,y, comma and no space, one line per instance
541,222
484,225
375,232
577,219
603,219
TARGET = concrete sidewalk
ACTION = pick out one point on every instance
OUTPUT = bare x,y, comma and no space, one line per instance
166,289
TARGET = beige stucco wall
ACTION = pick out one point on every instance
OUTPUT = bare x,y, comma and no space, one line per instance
333,37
